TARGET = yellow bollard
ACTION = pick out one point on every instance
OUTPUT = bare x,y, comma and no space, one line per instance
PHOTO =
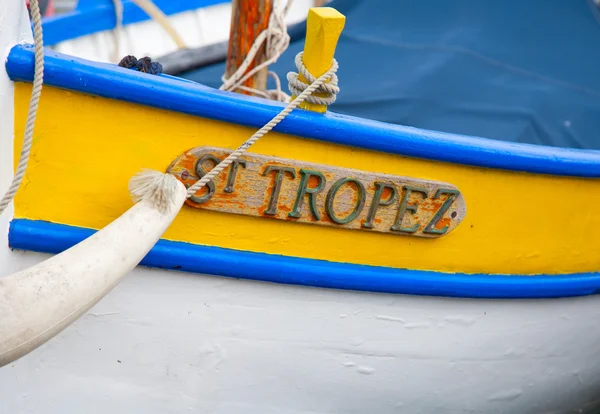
324,26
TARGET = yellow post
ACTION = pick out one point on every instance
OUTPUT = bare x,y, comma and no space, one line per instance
324,26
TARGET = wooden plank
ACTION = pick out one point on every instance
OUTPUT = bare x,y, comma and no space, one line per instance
291,190
248,19
324,26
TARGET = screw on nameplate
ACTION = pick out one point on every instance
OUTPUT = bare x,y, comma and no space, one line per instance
291,190
324,26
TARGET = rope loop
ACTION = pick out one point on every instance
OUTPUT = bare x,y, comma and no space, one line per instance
34,100
276,40
325,94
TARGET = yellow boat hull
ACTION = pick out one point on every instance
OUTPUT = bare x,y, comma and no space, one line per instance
516,222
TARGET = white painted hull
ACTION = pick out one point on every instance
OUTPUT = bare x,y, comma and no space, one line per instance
165,341
202,27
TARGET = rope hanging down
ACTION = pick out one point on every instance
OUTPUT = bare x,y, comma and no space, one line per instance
277,41
36,92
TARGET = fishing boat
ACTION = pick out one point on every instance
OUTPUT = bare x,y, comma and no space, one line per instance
417,236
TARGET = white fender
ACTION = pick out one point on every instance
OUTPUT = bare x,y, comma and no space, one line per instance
39,302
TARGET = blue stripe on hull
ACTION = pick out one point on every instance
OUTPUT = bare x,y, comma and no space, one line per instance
48,237
183,96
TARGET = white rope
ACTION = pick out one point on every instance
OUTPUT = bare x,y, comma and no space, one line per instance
38,80
317,84
277,41
326,92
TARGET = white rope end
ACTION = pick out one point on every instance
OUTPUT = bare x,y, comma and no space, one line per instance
159,189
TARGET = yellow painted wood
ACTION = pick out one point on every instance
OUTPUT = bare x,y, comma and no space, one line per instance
86,149
324,26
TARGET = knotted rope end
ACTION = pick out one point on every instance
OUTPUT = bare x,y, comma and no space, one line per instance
157,188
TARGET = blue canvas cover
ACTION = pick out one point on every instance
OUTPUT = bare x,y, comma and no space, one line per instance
515,70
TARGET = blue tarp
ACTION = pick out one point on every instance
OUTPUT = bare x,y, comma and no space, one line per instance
514,70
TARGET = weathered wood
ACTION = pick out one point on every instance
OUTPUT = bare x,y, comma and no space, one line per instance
248,19
265,186
324,26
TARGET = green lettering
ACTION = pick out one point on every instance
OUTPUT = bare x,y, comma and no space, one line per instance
404,207
452,195
379,188
280,173
232,174
311,192
360,200
201,172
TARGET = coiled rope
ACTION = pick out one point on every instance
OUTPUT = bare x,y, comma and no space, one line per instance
34,100
326,93
277,41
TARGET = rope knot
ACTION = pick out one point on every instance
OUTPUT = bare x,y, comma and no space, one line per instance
325,94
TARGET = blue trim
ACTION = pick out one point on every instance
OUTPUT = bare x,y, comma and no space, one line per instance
171,93
48,237
92,17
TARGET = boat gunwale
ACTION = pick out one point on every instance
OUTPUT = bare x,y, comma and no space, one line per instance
84,21
46,237
184,96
